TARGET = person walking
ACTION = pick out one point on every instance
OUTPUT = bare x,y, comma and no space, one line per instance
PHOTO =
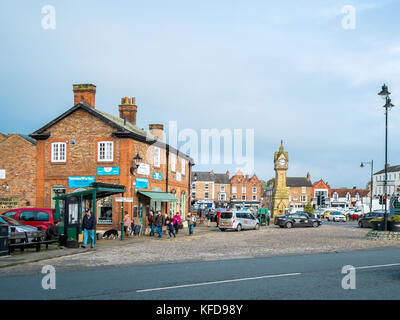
170,227
159,222
190,222
268,218
176,220
151,223
88,226
127,223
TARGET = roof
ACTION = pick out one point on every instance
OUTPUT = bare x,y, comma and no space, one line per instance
389,169
220,178
343,191
124,128
23,136
298,182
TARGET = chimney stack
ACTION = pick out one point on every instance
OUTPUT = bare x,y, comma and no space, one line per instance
157,130
128,110
227,173
84,93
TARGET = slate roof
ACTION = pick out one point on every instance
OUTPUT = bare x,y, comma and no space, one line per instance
123,128
221,178
389,169
298,182
23,136
343,191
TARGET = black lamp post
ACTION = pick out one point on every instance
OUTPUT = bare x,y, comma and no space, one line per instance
136,162
388,105
372,180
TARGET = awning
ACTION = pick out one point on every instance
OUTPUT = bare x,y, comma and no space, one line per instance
159,196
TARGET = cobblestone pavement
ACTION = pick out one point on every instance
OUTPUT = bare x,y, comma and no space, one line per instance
208,243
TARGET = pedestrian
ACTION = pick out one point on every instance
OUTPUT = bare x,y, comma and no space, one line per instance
88,226
208,217
159,223
170,227
133,228
217,217
151,223
176,220
52,234
190,222
127,223
268,218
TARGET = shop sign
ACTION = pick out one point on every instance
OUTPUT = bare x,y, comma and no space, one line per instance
9,203
123,199
2,173
144,169
142,183
80,182
107,171
157,176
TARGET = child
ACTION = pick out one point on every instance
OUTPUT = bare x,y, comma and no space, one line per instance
170,227
133,227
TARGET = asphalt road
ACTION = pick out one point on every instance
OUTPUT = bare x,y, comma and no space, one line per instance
314,276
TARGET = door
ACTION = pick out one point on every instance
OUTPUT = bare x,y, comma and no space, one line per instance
305,221
295,219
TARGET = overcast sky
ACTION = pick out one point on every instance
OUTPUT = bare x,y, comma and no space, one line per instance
287,69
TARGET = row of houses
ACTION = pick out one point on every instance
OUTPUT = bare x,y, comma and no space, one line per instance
85,144
214,189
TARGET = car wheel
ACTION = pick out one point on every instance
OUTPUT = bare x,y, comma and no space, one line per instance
289,225
257,226
360,224
239,227
222,229
315,224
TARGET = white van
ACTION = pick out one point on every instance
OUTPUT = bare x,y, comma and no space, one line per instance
237,220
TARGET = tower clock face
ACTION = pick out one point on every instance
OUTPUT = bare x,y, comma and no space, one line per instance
282,162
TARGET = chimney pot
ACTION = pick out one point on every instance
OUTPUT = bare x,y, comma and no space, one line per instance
128,109
157,130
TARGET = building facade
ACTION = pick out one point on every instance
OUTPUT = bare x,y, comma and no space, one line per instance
246,190
393,177
210,188
300,192
85,144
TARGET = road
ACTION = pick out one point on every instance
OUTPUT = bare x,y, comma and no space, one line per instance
308,276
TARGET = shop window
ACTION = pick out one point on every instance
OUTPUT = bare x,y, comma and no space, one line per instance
105,210
56,190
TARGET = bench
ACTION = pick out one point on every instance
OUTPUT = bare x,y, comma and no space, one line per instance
36,243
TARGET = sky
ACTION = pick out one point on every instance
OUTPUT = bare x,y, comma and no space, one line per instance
286,69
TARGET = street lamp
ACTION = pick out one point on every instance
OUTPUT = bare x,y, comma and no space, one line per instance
388,105
136,163
372,180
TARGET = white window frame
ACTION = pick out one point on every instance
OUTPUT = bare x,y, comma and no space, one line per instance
206,186
234,197
234,190
222,188
183,166
106,144
303,198
193,186
243,197
254,189
243,189
157,157
206,195
59,159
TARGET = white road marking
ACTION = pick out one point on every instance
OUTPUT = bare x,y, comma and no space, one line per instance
222,281
379,266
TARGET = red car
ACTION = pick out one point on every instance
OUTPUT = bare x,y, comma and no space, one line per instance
35,217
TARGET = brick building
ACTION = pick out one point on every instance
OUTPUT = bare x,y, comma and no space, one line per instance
85,144
320,188
300,192
211,188
246,190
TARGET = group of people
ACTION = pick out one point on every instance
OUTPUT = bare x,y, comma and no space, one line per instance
130,226
173,224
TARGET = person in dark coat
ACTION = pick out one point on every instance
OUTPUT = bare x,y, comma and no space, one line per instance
159,222
170,227
88,227
53,234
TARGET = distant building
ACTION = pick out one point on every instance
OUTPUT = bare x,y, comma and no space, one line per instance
246,190
210,188
300,192
347,198
393,176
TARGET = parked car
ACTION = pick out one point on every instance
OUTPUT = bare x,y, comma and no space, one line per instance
15,227
337,216
297,220
364,222
35,217
237,220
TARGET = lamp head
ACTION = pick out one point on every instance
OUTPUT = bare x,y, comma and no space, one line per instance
384,92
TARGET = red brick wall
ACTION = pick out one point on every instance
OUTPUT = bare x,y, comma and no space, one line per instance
18,159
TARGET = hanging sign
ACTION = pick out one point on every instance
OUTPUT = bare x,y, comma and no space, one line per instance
107,171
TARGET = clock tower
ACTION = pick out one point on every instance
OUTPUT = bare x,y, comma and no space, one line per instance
280,195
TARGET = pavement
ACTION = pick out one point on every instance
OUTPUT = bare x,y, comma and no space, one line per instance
207,244
300,276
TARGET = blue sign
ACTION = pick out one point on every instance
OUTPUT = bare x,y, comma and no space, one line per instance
142,183
80,182
107,171
157,176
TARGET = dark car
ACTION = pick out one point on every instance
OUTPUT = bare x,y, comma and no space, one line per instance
297,220
364,221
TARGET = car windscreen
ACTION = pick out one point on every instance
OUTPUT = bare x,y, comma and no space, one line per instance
10,221
226,215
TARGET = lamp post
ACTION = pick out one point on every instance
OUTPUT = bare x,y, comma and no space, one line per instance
388,105
372,180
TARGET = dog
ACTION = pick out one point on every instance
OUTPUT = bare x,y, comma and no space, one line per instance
110,234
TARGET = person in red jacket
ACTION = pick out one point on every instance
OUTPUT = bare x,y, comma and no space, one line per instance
218,215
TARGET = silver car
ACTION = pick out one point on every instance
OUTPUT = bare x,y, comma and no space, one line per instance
18,230
237,220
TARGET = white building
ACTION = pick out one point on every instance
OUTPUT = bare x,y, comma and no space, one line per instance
393,176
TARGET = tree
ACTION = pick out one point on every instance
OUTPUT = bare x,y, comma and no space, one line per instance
309,208
271,182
